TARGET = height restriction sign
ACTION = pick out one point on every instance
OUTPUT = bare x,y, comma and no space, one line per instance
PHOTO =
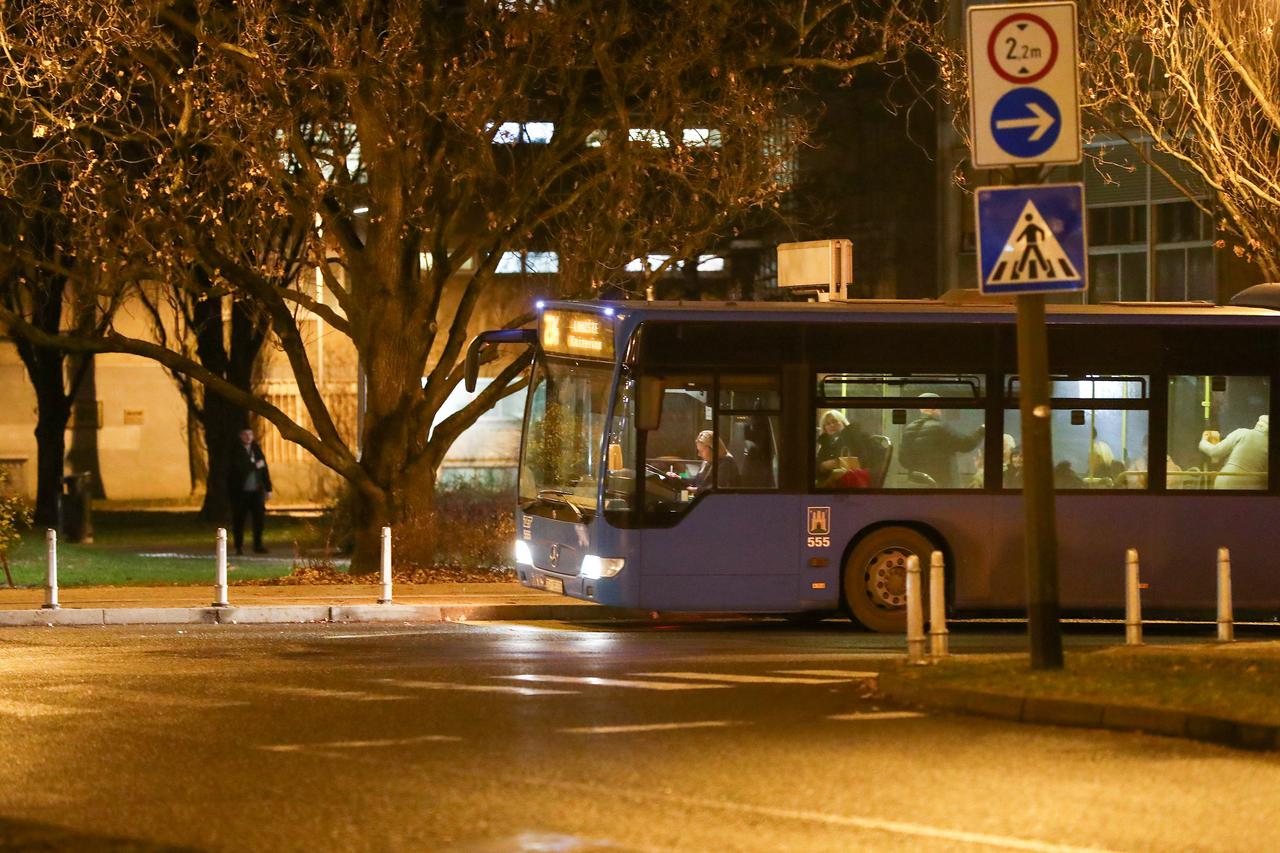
1023,91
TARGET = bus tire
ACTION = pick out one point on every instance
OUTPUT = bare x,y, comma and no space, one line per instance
875,577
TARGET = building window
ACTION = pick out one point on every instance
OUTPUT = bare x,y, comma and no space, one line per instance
516,263
1146,240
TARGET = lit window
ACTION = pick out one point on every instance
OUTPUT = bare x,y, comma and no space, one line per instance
507,133
514,263
511,132
542,262
647,263
596,138
710,263
701,137
539,131
509,264
656,138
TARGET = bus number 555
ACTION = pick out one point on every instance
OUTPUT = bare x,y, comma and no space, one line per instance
819,541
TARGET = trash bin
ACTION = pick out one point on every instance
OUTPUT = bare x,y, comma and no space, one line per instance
74,512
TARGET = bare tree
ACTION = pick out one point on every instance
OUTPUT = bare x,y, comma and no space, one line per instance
1200,79
398,134
1196,80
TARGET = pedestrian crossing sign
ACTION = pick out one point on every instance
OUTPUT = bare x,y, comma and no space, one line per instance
1031,239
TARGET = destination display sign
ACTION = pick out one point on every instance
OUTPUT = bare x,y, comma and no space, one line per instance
577,333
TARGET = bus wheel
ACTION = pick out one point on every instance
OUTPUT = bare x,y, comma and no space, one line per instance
875,577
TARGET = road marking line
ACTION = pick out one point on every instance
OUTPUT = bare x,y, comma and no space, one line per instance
851,674
37,709
735,678
359,744
373,634
121,694
612,682
323,693
878,715
477,688
649,727
917,830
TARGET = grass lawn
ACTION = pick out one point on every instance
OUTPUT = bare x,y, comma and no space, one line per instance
182,545
1238,680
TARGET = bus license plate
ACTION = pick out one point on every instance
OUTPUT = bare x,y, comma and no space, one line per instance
553,585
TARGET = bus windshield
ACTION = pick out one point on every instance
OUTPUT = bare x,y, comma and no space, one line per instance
564,433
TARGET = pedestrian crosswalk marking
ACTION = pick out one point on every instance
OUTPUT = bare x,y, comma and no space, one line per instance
148,697
738,678
360,744
850,674
10,708
1032,253
476,688
613,682
877,715
649,727
324,693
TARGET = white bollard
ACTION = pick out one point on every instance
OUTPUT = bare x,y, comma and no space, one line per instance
1132,600
938,639
915,612
220,580
51,577
386,566
1226,619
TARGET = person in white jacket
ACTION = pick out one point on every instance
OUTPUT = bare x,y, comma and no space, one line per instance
1245,450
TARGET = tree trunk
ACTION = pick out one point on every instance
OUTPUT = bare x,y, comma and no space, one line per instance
83,453
53,411
408,506
221,421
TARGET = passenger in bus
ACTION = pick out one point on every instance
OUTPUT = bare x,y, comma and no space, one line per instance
1065,477
1135,476
980,465
929,446
727,475
840,443
1245,452
1013,474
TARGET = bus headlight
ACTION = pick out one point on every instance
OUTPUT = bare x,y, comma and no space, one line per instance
594,568
523,555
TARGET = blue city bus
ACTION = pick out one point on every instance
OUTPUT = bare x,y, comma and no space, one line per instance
789,457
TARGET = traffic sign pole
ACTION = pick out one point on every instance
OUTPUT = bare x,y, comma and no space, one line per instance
1024,112
1044,630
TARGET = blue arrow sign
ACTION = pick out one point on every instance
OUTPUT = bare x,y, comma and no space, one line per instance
1026,122
1031,239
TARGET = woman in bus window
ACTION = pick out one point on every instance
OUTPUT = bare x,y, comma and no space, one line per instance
844,447
831,444
1245,450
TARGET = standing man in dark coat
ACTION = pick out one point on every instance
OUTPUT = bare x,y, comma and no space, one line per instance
929,446
249,483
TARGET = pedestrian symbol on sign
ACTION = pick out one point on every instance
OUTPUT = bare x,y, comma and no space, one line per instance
1032,253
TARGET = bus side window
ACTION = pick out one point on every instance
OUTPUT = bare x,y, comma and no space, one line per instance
1101,430
1218,432
748,422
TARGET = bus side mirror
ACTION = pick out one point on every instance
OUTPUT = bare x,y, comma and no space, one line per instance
649,393
471,369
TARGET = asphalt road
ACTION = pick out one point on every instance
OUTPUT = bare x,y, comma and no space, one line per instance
507,737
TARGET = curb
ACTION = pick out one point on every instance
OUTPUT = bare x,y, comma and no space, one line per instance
286,614
1207,728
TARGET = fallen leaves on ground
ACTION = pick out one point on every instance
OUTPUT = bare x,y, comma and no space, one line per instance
305,574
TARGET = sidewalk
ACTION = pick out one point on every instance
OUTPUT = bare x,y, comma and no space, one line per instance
1224,694
170,605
